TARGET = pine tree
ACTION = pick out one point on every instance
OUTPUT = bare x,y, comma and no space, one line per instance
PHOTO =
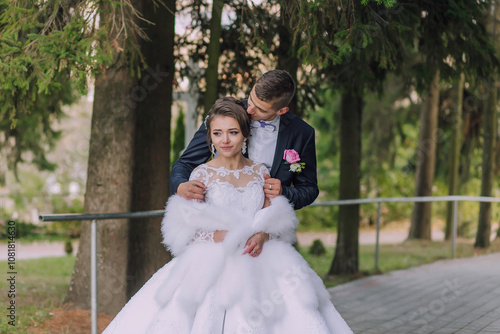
48,49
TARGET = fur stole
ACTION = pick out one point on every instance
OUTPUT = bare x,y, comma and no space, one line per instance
184,218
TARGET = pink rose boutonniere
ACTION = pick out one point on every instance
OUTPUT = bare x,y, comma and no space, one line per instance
293,158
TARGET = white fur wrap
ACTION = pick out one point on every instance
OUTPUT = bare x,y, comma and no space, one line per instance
184,218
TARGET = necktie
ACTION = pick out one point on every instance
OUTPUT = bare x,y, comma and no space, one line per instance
267,126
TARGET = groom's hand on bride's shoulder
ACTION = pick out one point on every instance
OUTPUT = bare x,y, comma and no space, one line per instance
192,190
272,187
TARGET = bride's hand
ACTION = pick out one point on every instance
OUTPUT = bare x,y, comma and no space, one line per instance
255,244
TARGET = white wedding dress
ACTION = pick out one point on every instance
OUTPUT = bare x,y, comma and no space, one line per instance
212,287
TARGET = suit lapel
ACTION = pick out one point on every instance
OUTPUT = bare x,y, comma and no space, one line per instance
283,135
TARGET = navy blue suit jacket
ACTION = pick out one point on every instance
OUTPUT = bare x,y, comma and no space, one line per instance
301,189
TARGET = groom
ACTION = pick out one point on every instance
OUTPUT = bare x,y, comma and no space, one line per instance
273,131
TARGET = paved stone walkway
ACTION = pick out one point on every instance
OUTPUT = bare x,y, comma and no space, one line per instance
451,296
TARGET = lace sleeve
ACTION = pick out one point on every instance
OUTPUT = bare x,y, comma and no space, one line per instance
201,174
203,236
261,170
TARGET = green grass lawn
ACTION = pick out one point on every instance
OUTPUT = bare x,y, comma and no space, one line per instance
41,284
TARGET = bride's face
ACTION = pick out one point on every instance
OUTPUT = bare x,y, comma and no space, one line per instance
226,136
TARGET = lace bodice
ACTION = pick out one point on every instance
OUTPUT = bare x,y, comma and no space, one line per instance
237,190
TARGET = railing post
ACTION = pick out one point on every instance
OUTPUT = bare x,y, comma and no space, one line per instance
93,277
377,236
454,231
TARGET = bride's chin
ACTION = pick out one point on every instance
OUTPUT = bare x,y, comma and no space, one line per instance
230,154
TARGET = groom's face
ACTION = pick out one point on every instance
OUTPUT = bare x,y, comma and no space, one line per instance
260,110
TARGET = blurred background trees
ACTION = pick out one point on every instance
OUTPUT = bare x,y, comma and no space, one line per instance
402,95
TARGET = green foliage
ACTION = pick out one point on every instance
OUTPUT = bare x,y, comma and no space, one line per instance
23,230
317,248
354,44
249,46
43,47
452,38
49,231
69,229
317,218
333,34
241,54
386,3
390,129
33,192
178,142
33,131
48,51
68,247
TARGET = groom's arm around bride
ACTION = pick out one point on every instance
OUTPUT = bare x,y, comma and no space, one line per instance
293,175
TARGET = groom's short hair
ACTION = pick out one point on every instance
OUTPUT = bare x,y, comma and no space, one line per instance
276,87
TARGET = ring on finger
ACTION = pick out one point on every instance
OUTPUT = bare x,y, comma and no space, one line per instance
270,186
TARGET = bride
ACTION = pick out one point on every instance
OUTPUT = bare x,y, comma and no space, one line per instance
234,268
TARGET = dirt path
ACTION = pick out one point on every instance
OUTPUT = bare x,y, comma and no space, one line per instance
367,237
39,249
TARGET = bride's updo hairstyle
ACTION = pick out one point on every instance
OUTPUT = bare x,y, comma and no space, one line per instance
229,107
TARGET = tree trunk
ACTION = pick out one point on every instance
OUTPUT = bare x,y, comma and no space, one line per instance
212,73
489,144
129,167
488,166
287,55
455,154
109,180
152,144
424,178
346,256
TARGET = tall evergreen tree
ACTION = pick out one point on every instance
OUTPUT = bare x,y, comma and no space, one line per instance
346,259
109,179
69,43
490,91
424,175
454,160
152,141
353,46
212,72
49,48
357,42
488,164
451,40
287,53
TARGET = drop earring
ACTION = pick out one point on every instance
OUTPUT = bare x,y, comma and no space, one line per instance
212,148
244,147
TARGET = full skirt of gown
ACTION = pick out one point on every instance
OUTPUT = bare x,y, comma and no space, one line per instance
276,292
212,288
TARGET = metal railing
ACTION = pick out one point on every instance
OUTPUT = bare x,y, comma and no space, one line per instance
93,245
159,213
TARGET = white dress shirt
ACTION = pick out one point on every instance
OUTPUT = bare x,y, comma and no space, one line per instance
262,141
